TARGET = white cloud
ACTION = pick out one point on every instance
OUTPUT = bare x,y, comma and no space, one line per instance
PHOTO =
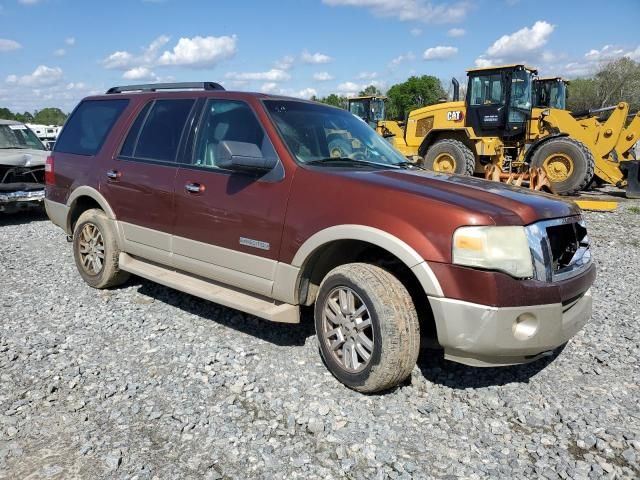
60,52
416,32
595,58
42,76
439,53
406,57
7,45
273,75
307,93
284,63
29,2
270,87
608,52
196,52
423,11
456,32
351,89
634,54
70,41
200,51
524,45
323,76
367,75
524,40
140,73
315,58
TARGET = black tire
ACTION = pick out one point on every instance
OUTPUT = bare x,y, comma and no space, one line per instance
339,147
393,324
465,160
109,275
581,157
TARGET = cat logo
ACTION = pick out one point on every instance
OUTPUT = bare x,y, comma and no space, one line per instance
455,116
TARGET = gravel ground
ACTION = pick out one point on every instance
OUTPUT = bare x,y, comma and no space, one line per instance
145,382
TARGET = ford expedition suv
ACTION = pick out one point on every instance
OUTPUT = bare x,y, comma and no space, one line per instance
235,197
22,158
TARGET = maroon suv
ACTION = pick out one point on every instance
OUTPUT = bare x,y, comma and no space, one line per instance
236,198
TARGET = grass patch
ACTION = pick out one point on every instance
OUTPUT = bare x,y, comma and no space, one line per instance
634,210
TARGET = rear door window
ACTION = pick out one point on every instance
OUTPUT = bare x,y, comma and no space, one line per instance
88,127
156,133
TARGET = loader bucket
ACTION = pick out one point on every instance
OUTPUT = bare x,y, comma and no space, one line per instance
633,177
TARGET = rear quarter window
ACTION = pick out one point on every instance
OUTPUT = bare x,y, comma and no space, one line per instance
88,127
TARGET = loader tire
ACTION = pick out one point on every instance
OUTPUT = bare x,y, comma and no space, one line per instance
568,163
450,156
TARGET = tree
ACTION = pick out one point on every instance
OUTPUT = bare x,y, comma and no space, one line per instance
616,81
6,114
50,116
416,92
370,91
334,100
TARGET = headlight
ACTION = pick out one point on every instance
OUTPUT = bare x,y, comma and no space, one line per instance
494,248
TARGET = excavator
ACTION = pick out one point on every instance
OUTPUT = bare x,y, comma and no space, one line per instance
498,133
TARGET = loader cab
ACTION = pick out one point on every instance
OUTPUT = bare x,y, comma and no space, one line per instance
368,108
550,92
499,100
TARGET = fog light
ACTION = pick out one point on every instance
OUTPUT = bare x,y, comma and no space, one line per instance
525,326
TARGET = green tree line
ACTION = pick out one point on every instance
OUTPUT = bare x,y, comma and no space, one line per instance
46,116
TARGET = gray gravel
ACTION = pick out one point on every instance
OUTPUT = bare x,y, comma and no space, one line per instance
145,382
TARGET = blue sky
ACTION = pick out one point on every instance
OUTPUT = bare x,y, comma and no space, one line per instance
54,52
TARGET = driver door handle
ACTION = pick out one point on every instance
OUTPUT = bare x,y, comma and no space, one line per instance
113,174
193,187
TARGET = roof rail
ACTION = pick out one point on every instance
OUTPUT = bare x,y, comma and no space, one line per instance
152,87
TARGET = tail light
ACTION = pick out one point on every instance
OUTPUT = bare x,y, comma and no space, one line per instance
49,176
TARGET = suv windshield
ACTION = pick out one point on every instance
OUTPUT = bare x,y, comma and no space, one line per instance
315,132
19,136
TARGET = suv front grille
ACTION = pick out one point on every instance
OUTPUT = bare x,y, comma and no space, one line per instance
560,248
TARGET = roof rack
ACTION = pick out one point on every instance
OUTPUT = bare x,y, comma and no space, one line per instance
152,87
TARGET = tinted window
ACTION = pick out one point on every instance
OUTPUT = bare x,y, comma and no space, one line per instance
487,90
85,131
134,132
162,130
233,121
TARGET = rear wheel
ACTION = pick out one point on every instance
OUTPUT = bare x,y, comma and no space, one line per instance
450,156
367,327
96,252
568,163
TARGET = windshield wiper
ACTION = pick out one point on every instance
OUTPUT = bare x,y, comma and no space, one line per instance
410,166
327,160
14,147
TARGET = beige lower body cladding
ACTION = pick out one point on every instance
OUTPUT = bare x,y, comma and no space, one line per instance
480,335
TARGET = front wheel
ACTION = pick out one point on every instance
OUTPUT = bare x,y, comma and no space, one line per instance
367,327
568,163
450,156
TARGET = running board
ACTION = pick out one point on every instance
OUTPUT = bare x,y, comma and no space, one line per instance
214,292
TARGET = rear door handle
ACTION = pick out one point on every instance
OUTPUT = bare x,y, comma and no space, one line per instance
193,187
113,174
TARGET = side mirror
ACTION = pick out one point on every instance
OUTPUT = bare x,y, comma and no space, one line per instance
243,156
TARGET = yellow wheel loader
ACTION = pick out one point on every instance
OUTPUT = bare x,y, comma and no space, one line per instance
496,132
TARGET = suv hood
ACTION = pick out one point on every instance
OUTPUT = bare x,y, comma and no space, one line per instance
504,204
23,157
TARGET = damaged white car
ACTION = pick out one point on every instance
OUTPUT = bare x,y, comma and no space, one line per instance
22,163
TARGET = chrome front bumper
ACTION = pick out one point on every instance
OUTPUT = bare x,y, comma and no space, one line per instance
485,336
34,196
